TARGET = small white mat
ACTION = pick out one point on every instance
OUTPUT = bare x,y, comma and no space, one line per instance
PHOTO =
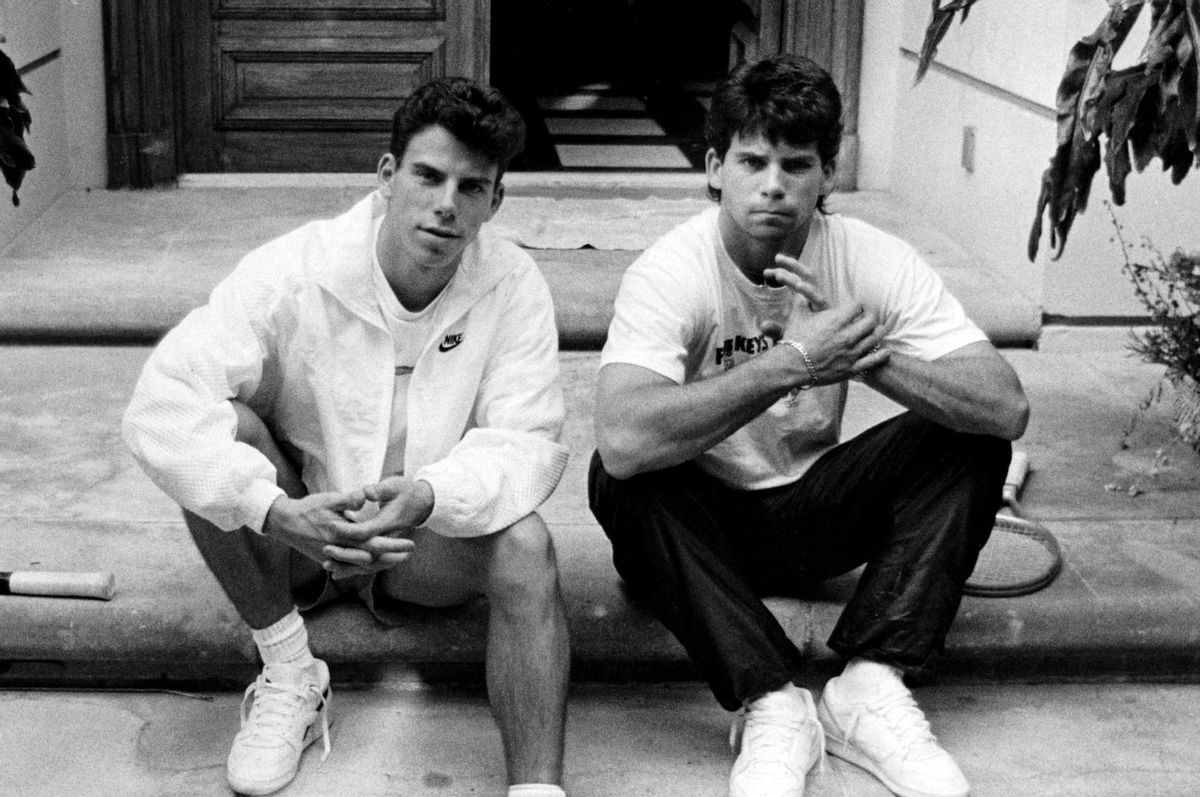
631,224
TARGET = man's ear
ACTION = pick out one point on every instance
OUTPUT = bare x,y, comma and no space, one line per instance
830,170
712,168
385,172
497,198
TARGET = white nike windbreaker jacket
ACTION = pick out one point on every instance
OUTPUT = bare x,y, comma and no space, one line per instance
297,334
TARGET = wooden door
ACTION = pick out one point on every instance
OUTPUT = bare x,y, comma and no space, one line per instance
311,85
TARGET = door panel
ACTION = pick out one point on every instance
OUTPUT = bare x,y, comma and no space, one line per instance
311,85
345,9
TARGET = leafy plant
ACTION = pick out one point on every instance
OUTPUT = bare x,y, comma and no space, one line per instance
939,23
1145,111
1169,288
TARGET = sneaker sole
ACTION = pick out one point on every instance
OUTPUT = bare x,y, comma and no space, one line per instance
843,750
260,788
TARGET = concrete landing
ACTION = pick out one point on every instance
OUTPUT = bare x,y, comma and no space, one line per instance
641,740
72,498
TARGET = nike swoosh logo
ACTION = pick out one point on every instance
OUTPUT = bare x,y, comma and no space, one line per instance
450,342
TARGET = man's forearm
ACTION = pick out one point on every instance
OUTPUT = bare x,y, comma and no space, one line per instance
974,391
647,426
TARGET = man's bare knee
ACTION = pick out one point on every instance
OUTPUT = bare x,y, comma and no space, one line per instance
523,562
253,431
250,428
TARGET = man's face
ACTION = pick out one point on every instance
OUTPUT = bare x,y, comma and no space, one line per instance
769,192
438,197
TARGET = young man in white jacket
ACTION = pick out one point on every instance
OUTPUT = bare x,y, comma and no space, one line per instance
370,406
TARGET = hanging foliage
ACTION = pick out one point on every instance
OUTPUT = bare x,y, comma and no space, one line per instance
939,23
1085,107
15,157
1145,111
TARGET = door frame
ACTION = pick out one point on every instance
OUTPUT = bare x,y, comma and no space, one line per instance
831,33
151,102
827,31
143,97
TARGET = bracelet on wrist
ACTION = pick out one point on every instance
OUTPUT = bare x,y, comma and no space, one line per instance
808,363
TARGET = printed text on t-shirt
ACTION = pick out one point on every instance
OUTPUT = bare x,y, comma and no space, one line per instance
748,344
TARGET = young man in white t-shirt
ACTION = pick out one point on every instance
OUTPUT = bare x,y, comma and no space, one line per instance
369,407
719,476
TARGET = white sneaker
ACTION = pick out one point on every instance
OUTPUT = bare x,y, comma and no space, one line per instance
290,708
780,740
888,735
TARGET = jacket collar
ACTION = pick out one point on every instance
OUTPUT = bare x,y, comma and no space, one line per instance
347,242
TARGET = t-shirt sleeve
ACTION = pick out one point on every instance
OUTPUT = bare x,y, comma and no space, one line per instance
654,317
923,319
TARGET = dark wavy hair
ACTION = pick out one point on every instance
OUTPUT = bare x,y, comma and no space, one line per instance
785,97
478,116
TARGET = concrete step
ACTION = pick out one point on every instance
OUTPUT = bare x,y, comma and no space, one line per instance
122,266
71,498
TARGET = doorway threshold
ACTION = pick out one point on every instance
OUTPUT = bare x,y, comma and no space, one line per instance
575,184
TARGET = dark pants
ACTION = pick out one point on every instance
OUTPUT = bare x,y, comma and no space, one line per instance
911,499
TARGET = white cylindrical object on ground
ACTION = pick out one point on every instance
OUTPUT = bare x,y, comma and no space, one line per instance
58,584
1018,468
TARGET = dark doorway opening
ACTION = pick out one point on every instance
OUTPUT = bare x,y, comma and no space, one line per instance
611,85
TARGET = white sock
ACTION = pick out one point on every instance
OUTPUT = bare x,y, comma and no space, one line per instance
284,642
536,790
786,689
863,676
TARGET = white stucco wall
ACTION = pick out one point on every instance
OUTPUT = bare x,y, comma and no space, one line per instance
880,87
83,74
31,32
66,101
1010,54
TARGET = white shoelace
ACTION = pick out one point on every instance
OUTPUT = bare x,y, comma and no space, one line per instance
275,707
773,740
905,718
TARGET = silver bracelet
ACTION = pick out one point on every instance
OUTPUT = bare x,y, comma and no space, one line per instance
812,371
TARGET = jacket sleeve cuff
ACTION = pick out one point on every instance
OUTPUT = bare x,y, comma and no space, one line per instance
258,499
448,513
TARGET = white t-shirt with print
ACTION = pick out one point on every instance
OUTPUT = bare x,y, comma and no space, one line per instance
409,333
685,311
